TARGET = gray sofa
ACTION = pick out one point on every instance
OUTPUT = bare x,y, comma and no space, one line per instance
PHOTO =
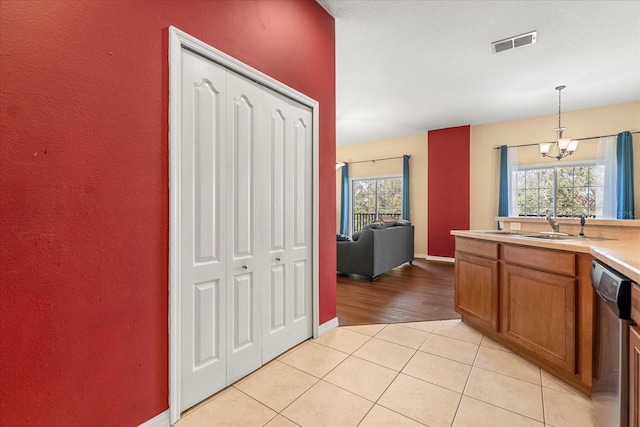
376,251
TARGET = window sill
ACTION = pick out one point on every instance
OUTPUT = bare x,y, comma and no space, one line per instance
565,220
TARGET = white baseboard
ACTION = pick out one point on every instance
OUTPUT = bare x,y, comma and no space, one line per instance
328,326
160,420
439,258
423,256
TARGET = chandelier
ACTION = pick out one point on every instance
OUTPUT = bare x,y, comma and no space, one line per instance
564,146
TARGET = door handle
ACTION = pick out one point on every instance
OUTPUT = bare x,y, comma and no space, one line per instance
245,266
278,259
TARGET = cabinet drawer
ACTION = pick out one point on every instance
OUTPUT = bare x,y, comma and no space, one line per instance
541,259
477,247
635,303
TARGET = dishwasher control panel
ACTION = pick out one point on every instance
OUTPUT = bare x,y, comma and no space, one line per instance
613,288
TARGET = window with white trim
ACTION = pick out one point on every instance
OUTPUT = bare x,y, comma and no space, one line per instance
565,190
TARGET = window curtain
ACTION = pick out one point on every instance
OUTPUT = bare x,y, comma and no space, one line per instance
607,157
503,192
508,191
344,200
512,167
624,157
405,187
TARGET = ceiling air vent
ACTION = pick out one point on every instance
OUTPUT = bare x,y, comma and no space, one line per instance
513,42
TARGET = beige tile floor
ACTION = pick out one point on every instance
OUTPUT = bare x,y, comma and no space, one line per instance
440,373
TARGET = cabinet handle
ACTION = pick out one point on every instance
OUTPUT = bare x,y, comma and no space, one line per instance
244,267
278,259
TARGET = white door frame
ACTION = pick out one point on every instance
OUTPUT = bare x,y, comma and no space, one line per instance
177,41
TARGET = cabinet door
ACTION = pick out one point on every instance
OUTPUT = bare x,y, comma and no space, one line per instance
476,289
539,314
634,376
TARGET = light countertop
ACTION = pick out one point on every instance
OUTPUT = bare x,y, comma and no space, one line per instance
621,255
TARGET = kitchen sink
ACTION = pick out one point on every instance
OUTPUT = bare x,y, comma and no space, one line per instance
554,236
564,237
542,235
507,232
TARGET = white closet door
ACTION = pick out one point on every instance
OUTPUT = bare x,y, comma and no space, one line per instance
247,267
300,216
244,227
287,300
277,314
202,233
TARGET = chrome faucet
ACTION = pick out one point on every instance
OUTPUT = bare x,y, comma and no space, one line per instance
554,225
582,222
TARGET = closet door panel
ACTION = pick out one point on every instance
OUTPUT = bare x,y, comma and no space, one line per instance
276,133
244,338
289,129
277,301
202,256
301,245
242,143
277,305
300,291
301,182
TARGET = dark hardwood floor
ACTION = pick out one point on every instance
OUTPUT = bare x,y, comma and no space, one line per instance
422,291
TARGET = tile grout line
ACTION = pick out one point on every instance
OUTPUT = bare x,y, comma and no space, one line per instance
334,368
392,381
491,404
333,348
505,409
376,402
544,415
466,384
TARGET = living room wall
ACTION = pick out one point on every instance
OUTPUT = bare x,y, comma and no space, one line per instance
415,146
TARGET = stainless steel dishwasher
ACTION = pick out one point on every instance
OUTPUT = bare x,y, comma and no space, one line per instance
610,390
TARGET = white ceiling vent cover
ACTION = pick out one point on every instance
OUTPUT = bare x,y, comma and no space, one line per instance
513,42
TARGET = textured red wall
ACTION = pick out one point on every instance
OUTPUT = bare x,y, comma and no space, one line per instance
448,188
84,190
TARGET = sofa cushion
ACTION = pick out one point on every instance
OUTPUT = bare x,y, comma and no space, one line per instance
402,222
343,238
356,235
374,226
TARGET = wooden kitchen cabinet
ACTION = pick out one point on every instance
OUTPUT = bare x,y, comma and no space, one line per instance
536,301
634,376
477,279
634,359
539,314
476,290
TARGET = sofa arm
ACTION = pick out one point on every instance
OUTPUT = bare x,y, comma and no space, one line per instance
392,247
356,257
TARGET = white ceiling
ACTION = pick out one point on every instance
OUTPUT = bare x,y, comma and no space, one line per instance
405,67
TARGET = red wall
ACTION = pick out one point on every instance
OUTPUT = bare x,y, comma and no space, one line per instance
448,188
84,190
